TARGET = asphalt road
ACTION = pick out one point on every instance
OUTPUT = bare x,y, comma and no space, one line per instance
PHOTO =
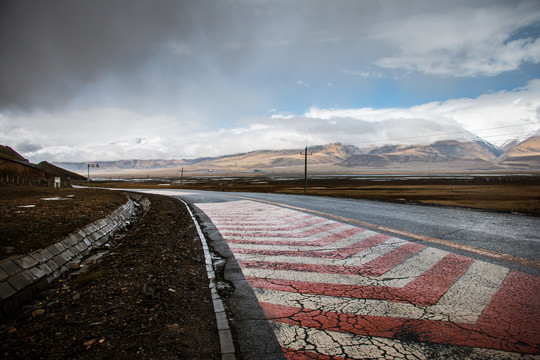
310,276
510,234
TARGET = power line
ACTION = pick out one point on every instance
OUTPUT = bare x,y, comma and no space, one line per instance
466,132
462,132
499,135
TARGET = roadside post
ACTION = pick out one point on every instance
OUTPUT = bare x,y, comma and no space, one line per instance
181,178
305,169
89,166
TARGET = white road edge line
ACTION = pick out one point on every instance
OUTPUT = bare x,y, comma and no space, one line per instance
224,331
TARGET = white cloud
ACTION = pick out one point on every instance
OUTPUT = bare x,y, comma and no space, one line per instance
93,134
110,133
365,74
497,117
465,43
282,116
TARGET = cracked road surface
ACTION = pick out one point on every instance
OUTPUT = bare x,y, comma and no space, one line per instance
334,290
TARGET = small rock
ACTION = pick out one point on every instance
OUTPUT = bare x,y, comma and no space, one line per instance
76,295
38,312
90,342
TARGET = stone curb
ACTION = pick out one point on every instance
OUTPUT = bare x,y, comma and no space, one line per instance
22,278
224,331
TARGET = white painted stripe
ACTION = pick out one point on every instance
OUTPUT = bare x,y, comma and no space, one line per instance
234,208
334,343
358,259
283,237
270,225
339,244
325,278
341,304
399,276
268,220
469,296
371,307
286,233
259,215
416,265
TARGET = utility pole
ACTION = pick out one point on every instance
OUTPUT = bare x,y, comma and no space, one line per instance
305,170
89,166
181,178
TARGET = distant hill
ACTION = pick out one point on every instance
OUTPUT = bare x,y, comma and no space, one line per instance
523,155
440,156
264,159
448,151
123,165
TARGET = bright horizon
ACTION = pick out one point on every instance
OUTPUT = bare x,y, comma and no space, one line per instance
179,80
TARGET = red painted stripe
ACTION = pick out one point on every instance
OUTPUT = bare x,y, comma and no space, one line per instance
438,280
386,262
404,329
321,242
515,307
294,354
284,235
376,267
342,253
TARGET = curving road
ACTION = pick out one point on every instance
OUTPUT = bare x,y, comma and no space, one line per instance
317,277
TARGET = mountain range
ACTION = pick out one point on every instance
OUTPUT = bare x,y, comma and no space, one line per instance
440,156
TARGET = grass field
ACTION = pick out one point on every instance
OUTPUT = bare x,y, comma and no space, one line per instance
497,193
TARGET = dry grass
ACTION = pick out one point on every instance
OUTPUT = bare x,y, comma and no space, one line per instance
500,197
33,217
506,193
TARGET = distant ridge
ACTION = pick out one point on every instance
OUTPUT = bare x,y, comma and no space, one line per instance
438,152
440,156
524,154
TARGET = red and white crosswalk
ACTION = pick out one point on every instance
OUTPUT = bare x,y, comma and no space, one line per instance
335,291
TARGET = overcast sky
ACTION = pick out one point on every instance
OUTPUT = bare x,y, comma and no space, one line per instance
108,80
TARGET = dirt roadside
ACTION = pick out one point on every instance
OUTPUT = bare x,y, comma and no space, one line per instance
147,297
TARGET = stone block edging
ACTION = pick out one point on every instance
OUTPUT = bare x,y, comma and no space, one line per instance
22,278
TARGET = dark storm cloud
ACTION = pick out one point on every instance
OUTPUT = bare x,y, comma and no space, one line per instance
50,48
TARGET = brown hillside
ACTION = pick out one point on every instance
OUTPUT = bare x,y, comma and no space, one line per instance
438,152
523,155
264,159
